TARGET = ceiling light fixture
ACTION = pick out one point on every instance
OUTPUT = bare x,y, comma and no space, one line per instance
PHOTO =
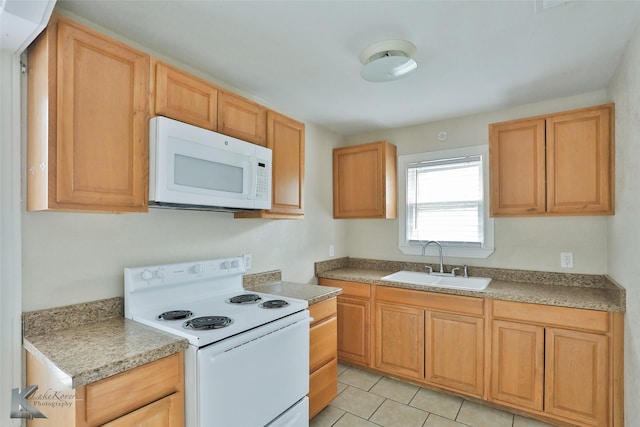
388,60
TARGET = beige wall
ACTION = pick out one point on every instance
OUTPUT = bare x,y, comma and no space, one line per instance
521,243
624,227
71,257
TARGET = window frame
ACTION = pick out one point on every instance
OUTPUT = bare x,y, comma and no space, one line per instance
448,249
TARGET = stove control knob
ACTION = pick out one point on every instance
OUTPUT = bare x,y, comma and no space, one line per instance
197,269
235,263
226,265
147,275
160,273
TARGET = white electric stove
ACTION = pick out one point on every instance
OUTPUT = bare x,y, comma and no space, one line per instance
246,349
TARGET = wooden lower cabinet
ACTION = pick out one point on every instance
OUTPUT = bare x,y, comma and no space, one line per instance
455,352
400,340
560,364
150,395
517,364
576,376
323,355
354,321
431,338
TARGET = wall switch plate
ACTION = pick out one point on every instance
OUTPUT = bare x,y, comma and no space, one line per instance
248,261
331,250
566,259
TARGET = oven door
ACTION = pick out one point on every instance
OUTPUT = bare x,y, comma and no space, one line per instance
254,377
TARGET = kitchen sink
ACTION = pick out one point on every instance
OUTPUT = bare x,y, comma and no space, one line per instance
432,280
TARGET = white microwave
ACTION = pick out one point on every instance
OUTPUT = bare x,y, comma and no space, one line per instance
192,168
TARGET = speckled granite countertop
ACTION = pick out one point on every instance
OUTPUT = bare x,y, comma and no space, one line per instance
312,293
106,346
566,290
270,282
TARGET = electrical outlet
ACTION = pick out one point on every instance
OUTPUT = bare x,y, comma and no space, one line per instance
566,259
248,261
331,250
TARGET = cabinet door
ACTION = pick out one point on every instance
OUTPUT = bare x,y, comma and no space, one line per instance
285,137
364,181
98,155
579,162
455,352
241,118
400,340
183,97
577,379
165,412
517,364
353,330
517,167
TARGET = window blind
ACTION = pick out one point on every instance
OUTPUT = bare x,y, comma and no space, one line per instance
444,201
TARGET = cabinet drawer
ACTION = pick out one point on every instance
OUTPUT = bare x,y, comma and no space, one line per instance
142,385
323,343
323,387
323,310
166,412
431,300
574,318
352,289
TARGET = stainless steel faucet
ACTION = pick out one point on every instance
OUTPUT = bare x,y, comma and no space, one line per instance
435,242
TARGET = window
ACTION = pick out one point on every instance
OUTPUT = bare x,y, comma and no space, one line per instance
442,197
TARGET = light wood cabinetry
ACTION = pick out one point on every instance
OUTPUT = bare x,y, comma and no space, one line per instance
354,321
399,333
559,164
184,97
241,118
323,356
434,338
560,363
150,395
455,352
88,111
285,137
364,181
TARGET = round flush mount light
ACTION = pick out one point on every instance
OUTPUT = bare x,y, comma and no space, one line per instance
388,60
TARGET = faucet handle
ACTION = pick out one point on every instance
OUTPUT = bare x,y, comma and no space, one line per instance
466,273
453,271
430,270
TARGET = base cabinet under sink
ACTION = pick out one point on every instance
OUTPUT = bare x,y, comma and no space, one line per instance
557,364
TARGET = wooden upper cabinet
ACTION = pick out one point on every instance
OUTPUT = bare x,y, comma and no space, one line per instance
517,167
580,162
285,137
88,112
364,181
560,164
241,118
184,97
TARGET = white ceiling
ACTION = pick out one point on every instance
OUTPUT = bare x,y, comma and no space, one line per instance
301,57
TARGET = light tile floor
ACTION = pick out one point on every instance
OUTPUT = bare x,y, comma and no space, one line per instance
366,399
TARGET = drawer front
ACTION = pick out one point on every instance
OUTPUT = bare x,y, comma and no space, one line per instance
323,310
323,343
352,289
431,300
105,399
323,387
166,412
565,317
